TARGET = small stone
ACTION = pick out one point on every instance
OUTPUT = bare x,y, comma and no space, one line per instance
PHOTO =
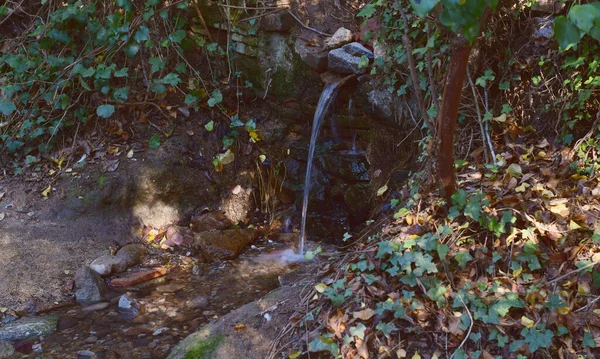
107,264
128,306
226,244
341,37
138,277
91,340
90,286
160,331
37,348
170,288
85,354
95,307
152,345
132,253
6,349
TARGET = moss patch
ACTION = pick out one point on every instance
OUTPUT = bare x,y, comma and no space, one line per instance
205,347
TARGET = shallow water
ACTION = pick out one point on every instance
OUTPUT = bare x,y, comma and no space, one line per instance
167,317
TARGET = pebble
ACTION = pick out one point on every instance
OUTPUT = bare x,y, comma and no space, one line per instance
86,354
95,307
91,340
159,331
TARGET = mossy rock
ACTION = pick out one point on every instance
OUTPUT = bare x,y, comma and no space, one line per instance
200,345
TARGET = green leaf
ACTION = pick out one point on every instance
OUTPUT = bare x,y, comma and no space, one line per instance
462,258
324,343
566,33
554,302
583,16
143,34
131,49
177,36
105,111
209,126
358,331
7,107
423,7
121,94
216,98
156,63
60,36
124,72
367,11
588,340
190,99
154,142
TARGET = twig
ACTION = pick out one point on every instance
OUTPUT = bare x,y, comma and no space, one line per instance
413,74
305,26
570,273
589,304
432,88
468,333
202,21
487,132
479,119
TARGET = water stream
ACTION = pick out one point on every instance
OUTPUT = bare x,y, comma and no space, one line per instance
327,98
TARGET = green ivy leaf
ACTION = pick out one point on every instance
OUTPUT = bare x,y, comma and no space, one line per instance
566,33
124,72
7,107
143,34
209,126
121,94
583,16
462,258
154,142
216,98
423,7
171,79
105,111
367,11
60,36
156,64
177,36
131,49
358,331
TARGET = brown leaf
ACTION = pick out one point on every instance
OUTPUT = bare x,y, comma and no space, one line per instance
365,314
239,326
454,326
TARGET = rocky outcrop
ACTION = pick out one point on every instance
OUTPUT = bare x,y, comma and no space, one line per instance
28,328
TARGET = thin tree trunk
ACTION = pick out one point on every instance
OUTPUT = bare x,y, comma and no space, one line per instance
448,115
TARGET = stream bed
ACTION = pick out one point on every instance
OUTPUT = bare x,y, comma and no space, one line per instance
169,308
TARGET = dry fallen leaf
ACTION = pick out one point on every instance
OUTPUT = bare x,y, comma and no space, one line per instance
46,192
365,314
239,326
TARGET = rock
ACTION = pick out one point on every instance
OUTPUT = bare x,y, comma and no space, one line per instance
129,307
341,37
95,307
348,166
37,348
314,57
280,21
211,221
357,200
86,354
90,340
357,49
90,288
160,331
226,244
132,254
6,349
107,264
138,277
174,235
197,302
170,288
28,327
342,62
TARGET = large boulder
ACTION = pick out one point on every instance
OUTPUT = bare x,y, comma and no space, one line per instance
347,166
226,244
28,327
90,287
314,57
344,63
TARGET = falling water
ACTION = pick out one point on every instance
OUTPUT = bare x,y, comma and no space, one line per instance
327,97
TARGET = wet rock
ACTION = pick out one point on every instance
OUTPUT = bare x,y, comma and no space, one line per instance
132,253
95,307
280,21
28,327
90,287
86,354
357,49
330,227
341,37
6,349
348,166
138,277
160,331
197,302
344,63
129,307
170,288
211,221
226,244
357,200
314,57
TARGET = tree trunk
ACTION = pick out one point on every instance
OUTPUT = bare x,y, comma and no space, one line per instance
448,115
